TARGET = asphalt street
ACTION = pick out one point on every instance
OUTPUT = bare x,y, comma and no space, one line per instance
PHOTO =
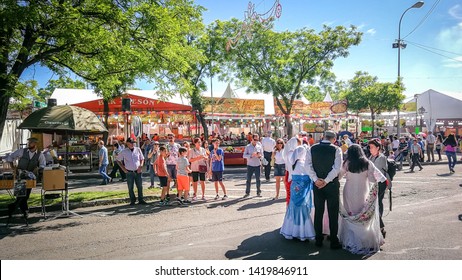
425,224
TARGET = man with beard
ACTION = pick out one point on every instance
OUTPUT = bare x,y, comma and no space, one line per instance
30,159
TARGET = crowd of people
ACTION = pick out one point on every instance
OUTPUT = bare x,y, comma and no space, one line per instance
309,171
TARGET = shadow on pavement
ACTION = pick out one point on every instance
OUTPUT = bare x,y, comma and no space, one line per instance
260,204
17,227
445,174
273,246
227,203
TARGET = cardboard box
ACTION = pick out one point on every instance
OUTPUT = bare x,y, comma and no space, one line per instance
53,180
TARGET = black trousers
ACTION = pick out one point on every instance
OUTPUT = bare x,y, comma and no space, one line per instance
267,167
382,189
21,202
116,168
415,161
331,194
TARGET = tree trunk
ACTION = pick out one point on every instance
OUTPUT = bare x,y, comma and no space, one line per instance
200,117
373,123
106,120
289,126
4,103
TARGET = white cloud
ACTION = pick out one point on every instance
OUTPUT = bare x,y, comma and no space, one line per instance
452,63
371,31
450,39
456,11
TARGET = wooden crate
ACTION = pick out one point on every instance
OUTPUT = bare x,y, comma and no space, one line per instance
53,180
6,184
30,184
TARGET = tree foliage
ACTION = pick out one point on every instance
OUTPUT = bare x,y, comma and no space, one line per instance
366,93
101,41
284,63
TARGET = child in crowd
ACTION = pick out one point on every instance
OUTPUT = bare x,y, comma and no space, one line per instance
218,167
160,168
182,167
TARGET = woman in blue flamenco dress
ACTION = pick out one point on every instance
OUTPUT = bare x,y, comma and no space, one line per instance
297,221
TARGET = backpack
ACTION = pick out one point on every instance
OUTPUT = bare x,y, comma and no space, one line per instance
392,167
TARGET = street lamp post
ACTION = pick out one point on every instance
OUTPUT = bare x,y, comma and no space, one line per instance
400,45
421,113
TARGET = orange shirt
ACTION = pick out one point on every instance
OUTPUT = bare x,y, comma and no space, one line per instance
161,167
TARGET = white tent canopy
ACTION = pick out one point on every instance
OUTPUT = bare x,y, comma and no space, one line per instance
67,96
439,106
12,137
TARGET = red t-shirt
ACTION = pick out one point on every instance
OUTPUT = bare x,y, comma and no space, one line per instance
161,167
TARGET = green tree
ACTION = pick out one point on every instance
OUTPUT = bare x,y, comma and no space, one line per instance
366,93
25,93
96,39
283,63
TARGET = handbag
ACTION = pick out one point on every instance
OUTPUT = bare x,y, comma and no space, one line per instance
202,168
264,161
19,189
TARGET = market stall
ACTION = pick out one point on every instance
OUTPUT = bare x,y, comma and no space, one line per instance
232,118
158,116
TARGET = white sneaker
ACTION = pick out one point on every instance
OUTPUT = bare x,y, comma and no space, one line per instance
217,197
194,198
224,197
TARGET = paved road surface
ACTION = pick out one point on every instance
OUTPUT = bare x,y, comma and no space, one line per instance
425,224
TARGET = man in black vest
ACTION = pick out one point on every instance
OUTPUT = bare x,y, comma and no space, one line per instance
31,160
324,162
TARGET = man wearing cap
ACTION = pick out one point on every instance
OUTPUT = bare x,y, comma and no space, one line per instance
323,162
131,161
32,160
268,144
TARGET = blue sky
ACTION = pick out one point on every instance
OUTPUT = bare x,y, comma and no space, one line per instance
432,59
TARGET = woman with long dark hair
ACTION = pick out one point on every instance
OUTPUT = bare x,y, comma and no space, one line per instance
359,227
279,165
450,146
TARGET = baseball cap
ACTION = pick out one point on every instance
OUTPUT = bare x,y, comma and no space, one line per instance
130,140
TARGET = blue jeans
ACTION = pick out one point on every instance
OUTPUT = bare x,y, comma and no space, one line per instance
250,171
152,174
102,171
133,178
452,159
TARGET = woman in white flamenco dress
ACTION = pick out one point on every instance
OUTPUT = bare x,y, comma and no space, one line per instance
297,221
359,228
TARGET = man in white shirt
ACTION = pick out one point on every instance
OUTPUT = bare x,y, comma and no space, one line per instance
268,144
431,139
131,161
395,144
253,153
30,159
